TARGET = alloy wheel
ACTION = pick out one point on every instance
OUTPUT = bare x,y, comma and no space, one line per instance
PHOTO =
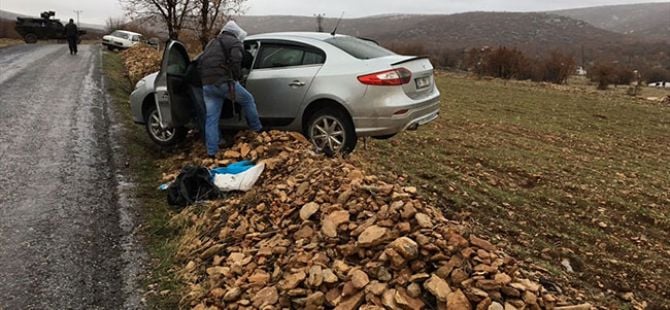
327,132
157,131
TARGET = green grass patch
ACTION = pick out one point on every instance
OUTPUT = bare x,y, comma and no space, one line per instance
144,164
564,170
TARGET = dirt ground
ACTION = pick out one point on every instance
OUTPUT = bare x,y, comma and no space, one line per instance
572,180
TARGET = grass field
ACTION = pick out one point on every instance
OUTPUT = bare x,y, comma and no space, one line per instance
557,175
160,236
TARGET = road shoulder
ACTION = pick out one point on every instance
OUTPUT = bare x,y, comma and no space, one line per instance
138,171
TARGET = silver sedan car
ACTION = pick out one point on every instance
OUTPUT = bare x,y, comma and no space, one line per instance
332,88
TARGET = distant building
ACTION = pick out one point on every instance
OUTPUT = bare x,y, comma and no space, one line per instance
581,71
660,84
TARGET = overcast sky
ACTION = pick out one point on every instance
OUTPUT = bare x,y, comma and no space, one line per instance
97,11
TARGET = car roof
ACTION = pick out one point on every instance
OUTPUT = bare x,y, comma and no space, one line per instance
320,36
128,32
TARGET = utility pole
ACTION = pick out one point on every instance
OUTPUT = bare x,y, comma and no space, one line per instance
78,12
319,22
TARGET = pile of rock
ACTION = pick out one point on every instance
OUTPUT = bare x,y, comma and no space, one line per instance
141,60
666,100
318,232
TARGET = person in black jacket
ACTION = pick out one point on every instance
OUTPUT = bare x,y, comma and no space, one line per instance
72,36
220,67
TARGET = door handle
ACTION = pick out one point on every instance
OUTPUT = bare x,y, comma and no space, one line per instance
297,83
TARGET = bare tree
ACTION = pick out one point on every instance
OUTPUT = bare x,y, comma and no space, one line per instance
209,16
113,24
173,12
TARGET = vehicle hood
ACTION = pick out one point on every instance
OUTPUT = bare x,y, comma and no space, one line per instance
111,37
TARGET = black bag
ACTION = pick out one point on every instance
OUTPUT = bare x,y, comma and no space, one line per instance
193,184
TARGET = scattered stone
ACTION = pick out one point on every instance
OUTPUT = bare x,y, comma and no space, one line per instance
438,287
423,220
388,299
458,300
371,236
483,244
503,279
328,276
408,211
352,302
232,294
315,278
359,279
316,299
332,221
266,297
414,290
375,288
217,292
293,280
308,210
405,247
406,301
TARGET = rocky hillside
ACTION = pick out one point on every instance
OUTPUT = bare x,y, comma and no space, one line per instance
530,31
648,20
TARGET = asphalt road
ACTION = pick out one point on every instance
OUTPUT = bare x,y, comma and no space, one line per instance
61,235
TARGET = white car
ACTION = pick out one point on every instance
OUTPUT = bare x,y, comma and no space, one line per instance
121,39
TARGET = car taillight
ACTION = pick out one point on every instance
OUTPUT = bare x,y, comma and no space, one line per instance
393,77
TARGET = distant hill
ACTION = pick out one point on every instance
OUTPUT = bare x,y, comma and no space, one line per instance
651,20
534,32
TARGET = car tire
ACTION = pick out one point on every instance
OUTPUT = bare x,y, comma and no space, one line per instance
331,130
30,38
162,137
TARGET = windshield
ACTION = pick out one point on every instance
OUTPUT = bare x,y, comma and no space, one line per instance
120,34
358,48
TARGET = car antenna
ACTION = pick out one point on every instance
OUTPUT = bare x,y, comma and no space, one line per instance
337,25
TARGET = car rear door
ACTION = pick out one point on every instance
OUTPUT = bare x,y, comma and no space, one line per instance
282,74
172,97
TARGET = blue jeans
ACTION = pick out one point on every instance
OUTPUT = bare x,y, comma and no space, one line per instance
215,96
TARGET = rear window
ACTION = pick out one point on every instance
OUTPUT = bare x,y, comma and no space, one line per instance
358,48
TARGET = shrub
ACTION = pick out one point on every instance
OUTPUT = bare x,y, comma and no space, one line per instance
557,68
603,74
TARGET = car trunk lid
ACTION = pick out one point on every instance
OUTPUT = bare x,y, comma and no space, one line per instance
422,82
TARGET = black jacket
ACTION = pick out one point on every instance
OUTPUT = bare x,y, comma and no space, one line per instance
71,30
222,60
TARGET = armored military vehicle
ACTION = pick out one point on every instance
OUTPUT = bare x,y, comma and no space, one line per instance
43,28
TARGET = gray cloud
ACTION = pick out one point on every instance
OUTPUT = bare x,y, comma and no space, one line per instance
97,11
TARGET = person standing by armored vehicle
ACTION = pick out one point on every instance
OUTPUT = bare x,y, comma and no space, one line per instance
43,28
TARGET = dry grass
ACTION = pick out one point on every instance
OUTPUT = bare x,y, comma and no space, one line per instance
556,173
5,42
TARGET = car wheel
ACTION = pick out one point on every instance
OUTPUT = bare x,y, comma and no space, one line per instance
30,38
162,136
332,131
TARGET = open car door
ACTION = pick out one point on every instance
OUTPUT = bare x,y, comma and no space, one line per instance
172,91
